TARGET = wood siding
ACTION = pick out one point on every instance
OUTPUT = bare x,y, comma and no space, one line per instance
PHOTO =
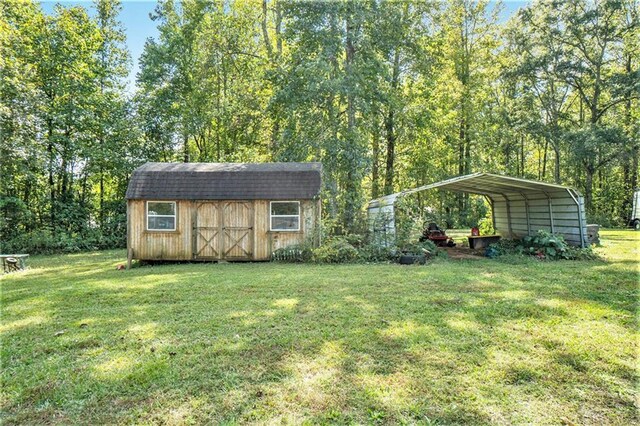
218,230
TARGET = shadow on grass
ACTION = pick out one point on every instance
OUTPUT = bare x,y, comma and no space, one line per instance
256,343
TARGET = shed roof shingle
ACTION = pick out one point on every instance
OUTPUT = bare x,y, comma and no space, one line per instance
225,181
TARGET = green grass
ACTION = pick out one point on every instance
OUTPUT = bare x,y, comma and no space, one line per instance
476,341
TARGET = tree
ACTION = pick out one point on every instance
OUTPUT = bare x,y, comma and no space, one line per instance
469,42
108,101
585,36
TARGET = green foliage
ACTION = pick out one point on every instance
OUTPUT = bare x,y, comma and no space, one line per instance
388,95
376,253
335,250
485,226
606,220
61,241
543,245
410,222
505,246
353,248
420,247
68,140
15,215
578,253
298,253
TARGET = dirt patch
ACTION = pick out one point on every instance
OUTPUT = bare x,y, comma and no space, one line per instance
459,253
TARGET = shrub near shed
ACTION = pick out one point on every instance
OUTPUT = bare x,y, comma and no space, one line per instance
543,245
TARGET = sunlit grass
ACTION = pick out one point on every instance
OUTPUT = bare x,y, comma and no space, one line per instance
477,341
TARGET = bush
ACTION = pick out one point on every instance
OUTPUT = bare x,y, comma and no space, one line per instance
504,247
353,248
606,220
578,253
341,250
371,253
44,242
48,242
543,245
293,254
420,247
335,250
485,226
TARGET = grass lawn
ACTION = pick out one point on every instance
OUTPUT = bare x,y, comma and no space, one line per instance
474,342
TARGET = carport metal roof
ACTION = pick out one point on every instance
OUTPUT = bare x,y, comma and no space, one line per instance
488,184
498,188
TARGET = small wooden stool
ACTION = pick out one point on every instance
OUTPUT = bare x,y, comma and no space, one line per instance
13,262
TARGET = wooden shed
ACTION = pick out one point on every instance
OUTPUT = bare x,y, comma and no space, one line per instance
221,211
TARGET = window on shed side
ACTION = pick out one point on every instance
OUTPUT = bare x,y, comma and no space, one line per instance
161,216
285,215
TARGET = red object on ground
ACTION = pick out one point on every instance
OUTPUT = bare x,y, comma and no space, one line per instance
475,232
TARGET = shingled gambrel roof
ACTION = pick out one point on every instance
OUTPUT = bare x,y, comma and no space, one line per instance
225,181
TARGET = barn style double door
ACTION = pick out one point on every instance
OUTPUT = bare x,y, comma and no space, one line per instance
223,230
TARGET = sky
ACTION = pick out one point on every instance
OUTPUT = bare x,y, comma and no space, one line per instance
138,26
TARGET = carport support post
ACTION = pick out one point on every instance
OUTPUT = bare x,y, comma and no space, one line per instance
508,215
493,213
526,209
577,201
553,229
582,242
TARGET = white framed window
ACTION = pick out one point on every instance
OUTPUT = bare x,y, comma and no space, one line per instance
161,215
284,215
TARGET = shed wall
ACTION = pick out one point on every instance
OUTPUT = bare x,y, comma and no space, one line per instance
181,244
159,245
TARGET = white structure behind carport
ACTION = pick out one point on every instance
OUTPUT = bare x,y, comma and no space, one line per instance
519,206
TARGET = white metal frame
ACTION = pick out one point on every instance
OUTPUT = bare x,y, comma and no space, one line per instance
507,190
174,215
284,215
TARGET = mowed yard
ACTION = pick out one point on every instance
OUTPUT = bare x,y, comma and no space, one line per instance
470,342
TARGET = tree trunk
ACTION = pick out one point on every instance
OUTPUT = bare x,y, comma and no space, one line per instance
375,148
278,28
507,154
588,188
556,169
630,163
544,160
390,125
390,156
464,162
52,187
521,156
101,213
635,149
351,184
461,167
274,57
265,31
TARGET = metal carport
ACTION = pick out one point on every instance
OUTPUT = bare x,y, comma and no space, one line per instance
519,206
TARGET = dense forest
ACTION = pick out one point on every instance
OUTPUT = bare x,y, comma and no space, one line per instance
387,95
